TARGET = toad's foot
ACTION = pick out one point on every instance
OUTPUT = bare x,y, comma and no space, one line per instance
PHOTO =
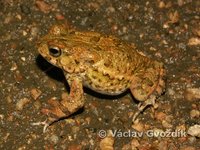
44,123
143,105
67,106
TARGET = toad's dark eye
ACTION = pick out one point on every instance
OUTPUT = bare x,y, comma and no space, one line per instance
54,51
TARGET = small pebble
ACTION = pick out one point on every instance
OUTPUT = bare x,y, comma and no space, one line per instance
194,113
192,94
161,4
60,16
35,93
160,116
8,98
194,130
43,6
181,127
23,59
138,126
18,76
166,124
19,17
194,41
107,143
21,103
13,67
180,2
135,144
174,17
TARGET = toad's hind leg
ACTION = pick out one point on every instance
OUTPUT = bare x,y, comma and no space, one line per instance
68,105
148,87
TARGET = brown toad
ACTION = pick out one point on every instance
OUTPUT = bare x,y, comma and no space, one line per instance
102,63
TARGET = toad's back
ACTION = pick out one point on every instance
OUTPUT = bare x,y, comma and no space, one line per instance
113,64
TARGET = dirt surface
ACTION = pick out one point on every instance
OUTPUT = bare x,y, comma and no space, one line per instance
168,31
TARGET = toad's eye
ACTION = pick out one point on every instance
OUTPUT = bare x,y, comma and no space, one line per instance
54,51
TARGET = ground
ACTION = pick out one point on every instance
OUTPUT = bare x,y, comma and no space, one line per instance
167,30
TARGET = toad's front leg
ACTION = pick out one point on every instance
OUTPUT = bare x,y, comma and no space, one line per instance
68,105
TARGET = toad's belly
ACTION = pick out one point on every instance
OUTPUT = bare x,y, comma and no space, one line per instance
104,84
108,90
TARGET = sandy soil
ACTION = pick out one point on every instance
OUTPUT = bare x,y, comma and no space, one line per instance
168,31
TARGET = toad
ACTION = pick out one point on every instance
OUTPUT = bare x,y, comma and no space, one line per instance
102,63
